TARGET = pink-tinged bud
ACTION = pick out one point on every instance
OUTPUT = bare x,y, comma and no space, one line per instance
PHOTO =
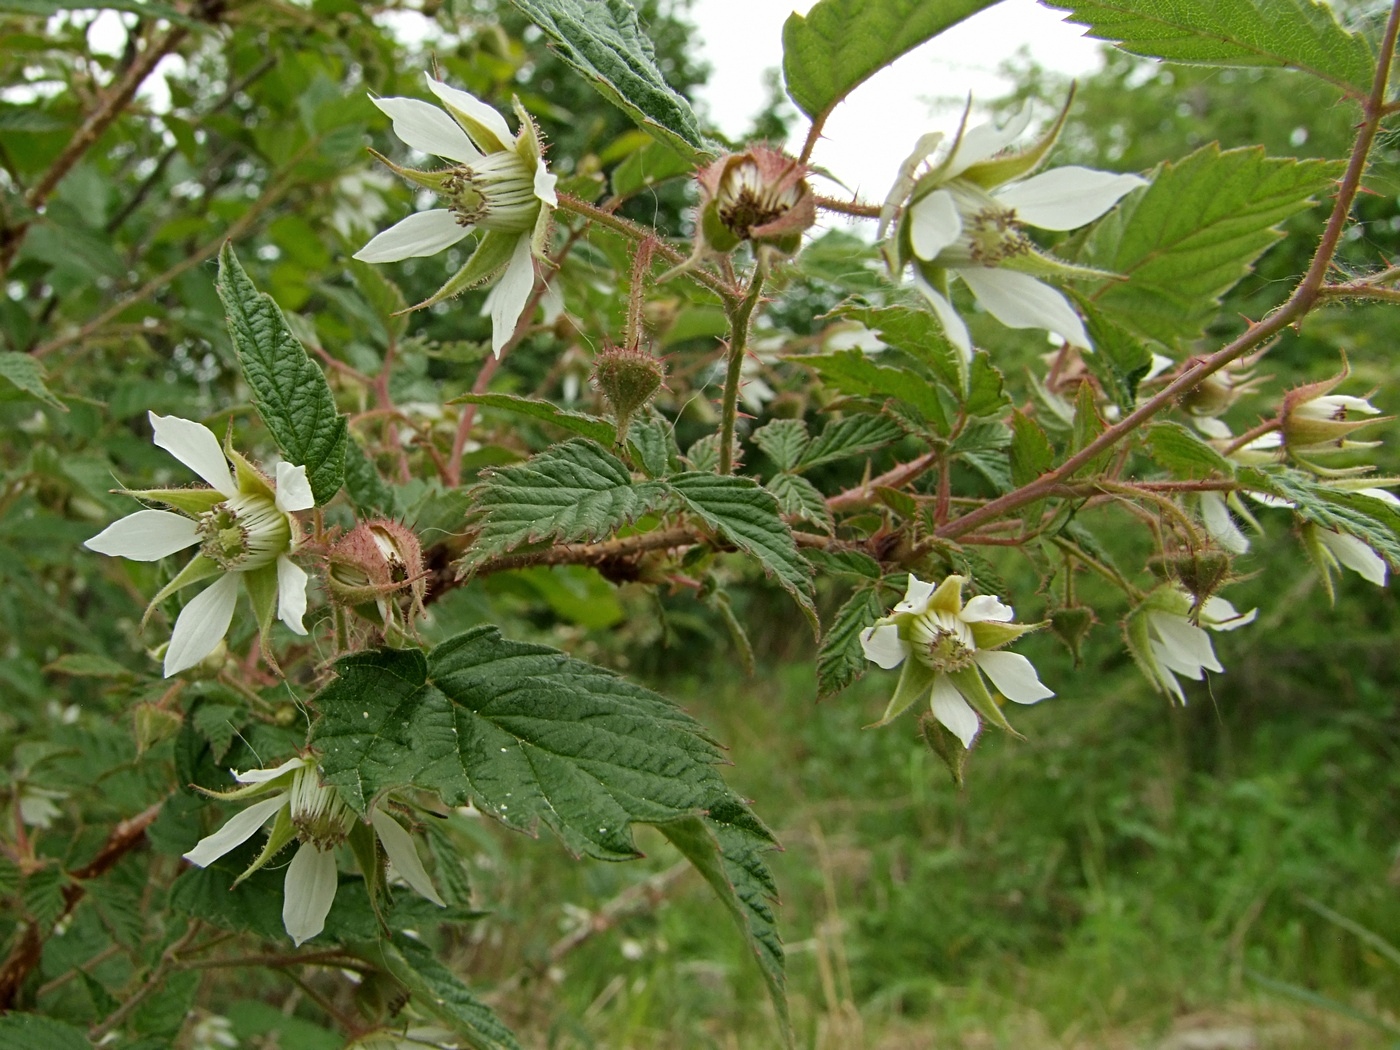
375,568
760,195
1314,420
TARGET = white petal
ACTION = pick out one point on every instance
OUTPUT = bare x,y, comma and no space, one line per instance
1018,300
883,645
1014,676
985,141
262,776
147,535
428,129
422,233
473,107
293,488
506,301
201,624
308,893
916,596
1184,647
237,830
934,224
1355,555
986,607
291,593
544,185
1381,494
1220,615
1066,198
1173,662
1212,428
953,711
194,445
953,326
1220,525
399,848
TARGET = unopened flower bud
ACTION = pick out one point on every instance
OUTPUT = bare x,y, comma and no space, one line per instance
1071,625
1201,572
375,565
629,378
759,195
1315,420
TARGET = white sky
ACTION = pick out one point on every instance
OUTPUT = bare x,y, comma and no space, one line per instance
875,128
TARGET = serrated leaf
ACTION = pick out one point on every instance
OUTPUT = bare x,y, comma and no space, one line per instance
523,732
747,516
726,846
986,394
1373,521
916,332
852,372
1120,360
437,991
1185,454
289,390
89,665
851,564
852,436
1088,425
42,896
602,40
1031,452
595,428
36,1032
367,490
1190,236
798,498
783,441
646,167
839,44
652,441
144,8
218,724
25,373
1295,34
841,660
574,492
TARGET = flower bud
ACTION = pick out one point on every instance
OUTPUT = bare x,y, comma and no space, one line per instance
944,743
629,378
1315,420
759,195
1071,625
1201,572
375,565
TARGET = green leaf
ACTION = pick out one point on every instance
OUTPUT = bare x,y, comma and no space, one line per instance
1031,452
1119,360
726,846
1190,236
524,732
289,389
595,428
917,333
841,660
852,372
574,492
838,44
1374,522
144,8
366,489
36,1032
89,665
1185,454
25,373
652,441
986,395
852,436
798,498
652,164
437,991
602,40
748,517
783,441
848,564
1295,34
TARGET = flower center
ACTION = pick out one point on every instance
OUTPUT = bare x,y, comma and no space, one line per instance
942,642
496,192
748,201
991,232
243,533
319,814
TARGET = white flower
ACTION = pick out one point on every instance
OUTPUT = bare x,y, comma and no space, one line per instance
301,807
965,216
37,806
212,1031
953,645
1337,548
243,526
498,183
414,1037
1221,527
1166,643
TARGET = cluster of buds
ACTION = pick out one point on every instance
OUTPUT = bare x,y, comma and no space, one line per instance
376,569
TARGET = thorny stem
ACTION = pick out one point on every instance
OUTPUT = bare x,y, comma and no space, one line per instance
852,207
738,346
641,268
1268,426
1304,297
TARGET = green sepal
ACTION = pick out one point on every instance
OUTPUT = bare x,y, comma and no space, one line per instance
969,683
944,743
996,170
527,144
717,236
280,834
1042,264
191,501
993,634
915,682
948,597
1323,560
365,847
250,480
262,589
199,568
483,137
492,253
1167,599
429,180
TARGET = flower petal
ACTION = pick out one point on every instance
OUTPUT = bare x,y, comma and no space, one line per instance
422,233
883,646
1212,427
474,110
293,488
1184,647
933,224
916,596
194,445
147,535
544,184
1018,300
506,301
1066,198
399,848
291,593
308,893
953,326
953,711
262,776
1355,555
1014,676
237,830
201,624
428,129
986,607
983,141
1220,525
1220,615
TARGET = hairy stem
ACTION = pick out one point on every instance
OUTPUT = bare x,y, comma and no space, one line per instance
738,346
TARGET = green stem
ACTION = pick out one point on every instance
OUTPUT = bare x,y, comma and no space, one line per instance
738,344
